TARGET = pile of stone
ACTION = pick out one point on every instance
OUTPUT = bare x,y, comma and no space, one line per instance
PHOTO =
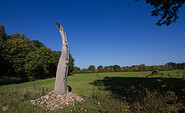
53,101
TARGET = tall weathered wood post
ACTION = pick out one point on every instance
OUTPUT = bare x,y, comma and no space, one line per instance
62,68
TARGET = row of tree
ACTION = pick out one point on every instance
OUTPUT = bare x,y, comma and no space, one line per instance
142,67
27,59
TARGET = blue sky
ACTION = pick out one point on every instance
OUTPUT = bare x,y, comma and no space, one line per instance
99,32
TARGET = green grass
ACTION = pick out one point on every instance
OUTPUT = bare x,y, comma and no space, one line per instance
104,92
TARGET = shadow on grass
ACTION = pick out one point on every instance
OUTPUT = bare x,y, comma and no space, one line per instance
12,80
69,88
130,87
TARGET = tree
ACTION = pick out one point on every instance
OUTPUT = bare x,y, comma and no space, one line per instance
100,68
3,34
71,63
166,9
110,68
45,56
116,68
32,47
24,36
37,44
142,67
76,69
183,65
95,70
126,68
15,36
15,52
91,68
34,66
122,69
4,63
39,65
135,68
83,70
22,58
56,56
106,68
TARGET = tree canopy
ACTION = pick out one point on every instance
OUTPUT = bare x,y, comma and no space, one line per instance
27,59
165,9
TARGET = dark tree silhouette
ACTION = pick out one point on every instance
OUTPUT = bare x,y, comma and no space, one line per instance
165,9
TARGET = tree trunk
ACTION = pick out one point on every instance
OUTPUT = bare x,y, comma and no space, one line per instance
62,68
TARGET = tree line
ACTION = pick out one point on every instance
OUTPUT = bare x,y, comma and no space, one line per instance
134,68
24,59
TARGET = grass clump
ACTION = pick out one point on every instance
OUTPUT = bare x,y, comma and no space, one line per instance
155,101
15,98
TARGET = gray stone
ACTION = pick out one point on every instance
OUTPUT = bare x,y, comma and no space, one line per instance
62,68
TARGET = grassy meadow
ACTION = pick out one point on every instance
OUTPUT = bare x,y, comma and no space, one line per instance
105,92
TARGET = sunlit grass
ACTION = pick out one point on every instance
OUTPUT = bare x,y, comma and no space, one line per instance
82,84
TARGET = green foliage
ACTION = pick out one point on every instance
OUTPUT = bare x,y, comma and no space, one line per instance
33,67
4,63
3,34
91,68
76,69
40,64
15,52
24,36
116,68
100,68
25,59
32,47
15,36
37,44
71,64
135,68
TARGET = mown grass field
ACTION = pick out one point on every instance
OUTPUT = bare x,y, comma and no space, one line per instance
105,92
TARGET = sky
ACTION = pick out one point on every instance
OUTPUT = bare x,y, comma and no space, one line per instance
99,32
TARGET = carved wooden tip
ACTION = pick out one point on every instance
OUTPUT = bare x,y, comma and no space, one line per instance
59,26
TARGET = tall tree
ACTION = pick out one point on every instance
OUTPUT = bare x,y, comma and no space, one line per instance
3,34
16,51
4,63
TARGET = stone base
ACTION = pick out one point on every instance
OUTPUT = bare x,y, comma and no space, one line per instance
53,101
